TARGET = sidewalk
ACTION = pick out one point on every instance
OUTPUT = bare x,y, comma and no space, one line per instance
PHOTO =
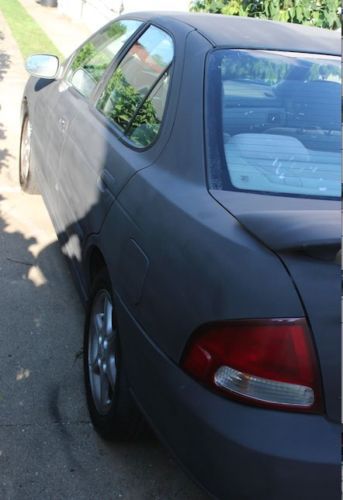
66,34
12,81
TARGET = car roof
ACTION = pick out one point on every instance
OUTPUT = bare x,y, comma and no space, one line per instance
253,33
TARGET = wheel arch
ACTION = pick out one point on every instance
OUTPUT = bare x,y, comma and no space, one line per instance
95,262
24,108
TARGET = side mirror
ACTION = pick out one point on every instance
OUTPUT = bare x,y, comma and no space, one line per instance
42,65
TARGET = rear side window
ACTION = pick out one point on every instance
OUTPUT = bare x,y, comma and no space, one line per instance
94,57
135,95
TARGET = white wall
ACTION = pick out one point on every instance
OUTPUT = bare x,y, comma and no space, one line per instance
95,13
136,5
71,7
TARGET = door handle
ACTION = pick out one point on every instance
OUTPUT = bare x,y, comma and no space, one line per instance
62,123
106,182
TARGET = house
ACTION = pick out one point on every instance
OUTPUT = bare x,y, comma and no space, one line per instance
95,13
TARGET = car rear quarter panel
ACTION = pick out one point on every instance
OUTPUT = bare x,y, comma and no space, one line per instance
199,265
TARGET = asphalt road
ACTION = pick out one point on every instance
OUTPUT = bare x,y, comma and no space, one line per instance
48,448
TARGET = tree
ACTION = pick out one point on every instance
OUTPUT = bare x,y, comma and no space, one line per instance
320,13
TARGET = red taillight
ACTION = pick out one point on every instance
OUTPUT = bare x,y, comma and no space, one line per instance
264,362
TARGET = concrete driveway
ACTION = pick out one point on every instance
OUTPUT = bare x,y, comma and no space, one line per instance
48,449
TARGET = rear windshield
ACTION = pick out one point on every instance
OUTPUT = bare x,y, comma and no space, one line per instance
274,122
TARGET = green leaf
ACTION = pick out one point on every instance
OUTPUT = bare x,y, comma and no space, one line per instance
299,13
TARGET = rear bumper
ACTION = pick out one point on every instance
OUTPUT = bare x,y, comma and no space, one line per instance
234,451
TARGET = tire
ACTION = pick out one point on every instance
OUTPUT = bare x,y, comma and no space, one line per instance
112,409
27,175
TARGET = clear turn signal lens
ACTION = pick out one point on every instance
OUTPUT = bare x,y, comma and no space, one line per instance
262,389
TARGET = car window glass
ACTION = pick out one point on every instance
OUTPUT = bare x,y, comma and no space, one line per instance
95,56
134,98
146,123
278,122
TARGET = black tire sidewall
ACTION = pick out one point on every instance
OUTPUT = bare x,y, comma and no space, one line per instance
29,183
23,181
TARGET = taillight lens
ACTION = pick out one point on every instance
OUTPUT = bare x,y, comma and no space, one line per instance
263,362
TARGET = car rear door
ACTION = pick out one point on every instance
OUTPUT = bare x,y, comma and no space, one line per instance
109,140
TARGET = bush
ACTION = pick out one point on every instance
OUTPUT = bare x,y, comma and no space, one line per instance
320,13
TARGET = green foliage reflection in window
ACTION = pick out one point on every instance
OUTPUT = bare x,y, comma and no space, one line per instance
121,100
270,71
241,66
146,124
95,56
134,98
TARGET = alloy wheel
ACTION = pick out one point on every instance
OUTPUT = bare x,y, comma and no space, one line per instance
25,151
102,367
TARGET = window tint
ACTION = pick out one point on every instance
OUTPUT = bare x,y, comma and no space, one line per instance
134,98
94,57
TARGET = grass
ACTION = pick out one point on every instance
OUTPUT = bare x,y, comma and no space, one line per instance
29,36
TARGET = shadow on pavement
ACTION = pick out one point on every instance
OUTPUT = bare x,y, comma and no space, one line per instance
5,154
5,60
5,65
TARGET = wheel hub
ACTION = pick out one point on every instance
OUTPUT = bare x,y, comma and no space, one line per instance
101,352
26,149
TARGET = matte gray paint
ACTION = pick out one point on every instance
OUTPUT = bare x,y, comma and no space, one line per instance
241,32
195,262
235,451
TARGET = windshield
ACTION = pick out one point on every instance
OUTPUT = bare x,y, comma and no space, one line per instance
274,122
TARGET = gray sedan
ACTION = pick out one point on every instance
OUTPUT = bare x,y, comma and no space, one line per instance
191,166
